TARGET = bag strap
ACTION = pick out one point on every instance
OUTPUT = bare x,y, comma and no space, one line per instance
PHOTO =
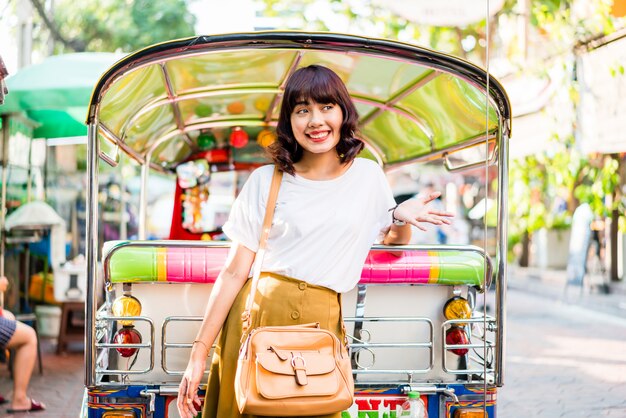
258,258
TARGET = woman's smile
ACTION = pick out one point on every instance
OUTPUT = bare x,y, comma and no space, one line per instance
317,126
318,136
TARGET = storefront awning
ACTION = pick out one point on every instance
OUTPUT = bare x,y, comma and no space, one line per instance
602,127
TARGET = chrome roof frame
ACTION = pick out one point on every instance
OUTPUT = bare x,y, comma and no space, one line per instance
437,62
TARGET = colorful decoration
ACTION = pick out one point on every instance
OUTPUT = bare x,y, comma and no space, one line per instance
238,137
127,335
195,205
193,173
262,104
206,140
236,108
218,155
265,138
203,110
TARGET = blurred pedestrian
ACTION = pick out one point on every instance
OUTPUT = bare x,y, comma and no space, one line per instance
19,336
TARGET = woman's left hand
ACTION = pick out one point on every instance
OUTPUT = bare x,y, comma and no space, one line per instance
4,284
417,211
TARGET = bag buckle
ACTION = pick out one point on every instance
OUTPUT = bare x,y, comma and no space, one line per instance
294,365
300,371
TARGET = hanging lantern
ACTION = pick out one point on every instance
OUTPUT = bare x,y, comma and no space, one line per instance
236,108
206,140
203,110
265,138
238,137
262,104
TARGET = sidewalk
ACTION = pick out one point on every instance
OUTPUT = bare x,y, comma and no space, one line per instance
60,386
551,284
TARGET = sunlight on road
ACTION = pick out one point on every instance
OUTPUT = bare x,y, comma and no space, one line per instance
597,358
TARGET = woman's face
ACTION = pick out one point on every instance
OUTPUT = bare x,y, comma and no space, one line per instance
317,126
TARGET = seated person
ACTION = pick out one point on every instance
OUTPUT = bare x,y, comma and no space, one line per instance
22,338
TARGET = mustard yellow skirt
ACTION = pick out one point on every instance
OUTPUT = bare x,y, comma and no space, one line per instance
279,300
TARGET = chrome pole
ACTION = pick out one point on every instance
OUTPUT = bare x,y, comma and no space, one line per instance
5,173
123,212
503,192
91,243
143,198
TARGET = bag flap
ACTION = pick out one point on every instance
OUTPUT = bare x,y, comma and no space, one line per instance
314,363
308,339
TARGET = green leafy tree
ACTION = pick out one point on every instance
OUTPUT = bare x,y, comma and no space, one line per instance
554,32
374,20
114,25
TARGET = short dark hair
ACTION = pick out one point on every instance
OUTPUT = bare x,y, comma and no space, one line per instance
321,85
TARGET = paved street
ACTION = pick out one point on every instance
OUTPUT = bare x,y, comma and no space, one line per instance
562,361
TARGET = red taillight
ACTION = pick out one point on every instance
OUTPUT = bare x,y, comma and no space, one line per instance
457,335
127,335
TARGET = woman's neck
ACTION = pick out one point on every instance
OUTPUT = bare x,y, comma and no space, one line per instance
320,166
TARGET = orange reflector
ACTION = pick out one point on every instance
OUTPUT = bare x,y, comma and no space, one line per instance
119,414
469,413
457,308
126,306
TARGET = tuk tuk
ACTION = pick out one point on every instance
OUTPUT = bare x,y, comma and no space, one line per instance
201,110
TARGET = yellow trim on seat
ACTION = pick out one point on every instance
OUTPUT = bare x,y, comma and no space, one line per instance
161,260
433,276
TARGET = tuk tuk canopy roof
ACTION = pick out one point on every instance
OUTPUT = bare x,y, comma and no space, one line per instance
414,103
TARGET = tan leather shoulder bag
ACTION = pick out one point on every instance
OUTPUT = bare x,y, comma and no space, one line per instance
289,371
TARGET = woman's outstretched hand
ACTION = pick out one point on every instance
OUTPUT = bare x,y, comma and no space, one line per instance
188,402
417,211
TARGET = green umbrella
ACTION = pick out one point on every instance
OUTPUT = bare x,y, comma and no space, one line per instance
55,93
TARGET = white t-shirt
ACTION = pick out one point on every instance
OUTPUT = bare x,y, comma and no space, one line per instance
322,229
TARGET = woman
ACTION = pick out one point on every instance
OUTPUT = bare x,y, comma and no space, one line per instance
22,338
331,207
